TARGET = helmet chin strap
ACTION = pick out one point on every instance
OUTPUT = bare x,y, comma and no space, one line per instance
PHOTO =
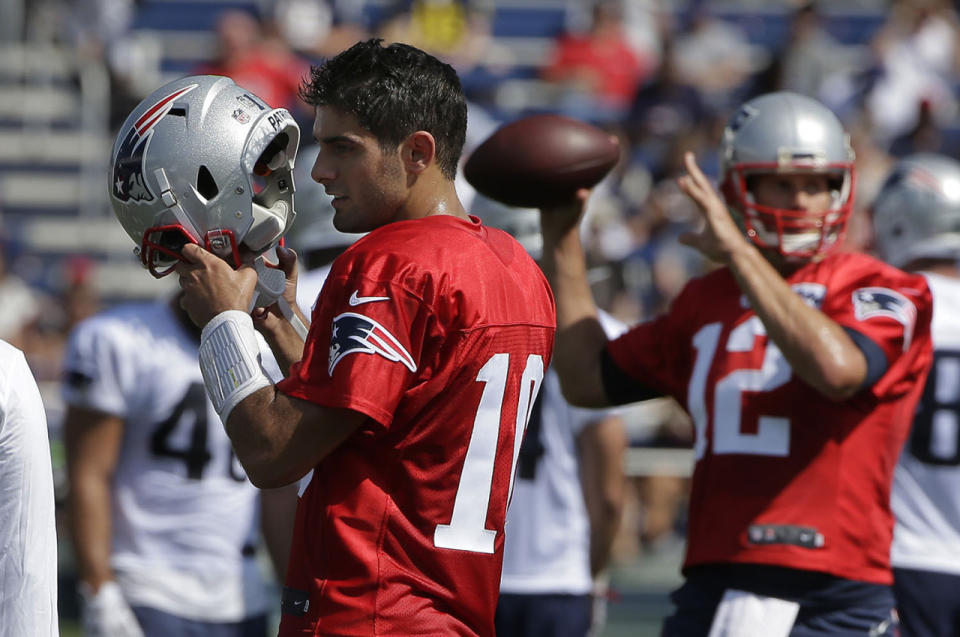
270,285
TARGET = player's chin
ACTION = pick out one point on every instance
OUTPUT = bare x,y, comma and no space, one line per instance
346,218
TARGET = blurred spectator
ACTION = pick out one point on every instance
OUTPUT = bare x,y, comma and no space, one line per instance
101,31
263,65
437,26
917,53
460,32
599,65
925,136
75,298
715,56
873,164
81,298
808,59
659,266
663,109
21,304
647,23
319,28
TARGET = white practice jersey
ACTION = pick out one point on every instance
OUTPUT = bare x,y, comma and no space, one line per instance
547,535
926,484
185,517
28,537
309,285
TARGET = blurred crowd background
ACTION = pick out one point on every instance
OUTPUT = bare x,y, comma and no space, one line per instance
663,75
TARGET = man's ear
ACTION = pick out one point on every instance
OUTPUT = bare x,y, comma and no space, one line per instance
418,151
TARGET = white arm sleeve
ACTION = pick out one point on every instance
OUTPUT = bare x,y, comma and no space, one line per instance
230,360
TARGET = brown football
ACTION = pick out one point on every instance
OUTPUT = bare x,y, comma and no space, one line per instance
541,160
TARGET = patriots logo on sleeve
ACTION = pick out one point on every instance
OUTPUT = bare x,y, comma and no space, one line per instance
811,293
358,334
128,180
870,302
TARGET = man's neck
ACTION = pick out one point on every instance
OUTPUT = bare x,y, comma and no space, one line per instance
439,197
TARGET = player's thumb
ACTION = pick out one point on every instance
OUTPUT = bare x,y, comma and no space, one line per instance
287,261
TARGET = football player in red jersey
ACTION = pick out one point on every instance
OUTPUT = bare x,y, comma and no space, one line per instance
409,398
800,365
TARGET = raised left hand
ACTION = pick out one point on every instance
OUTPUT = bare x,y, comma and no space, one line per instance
211,286
720,237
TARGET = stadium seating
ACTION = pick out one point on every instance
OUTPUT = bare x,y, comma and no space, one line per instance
54,142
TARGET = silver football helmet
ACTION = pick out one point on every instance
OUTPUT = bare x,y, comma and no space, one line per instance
917,212
787,133
203,161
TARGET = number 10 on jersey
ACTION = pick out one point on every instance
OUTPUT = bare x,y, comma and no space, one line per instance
467,529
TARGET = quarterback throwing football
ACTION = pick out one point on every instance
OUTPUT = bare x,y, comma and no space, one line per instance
800,365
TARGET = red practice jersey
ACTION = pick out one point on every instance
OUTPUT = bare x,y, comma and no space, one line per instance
783,475
439,330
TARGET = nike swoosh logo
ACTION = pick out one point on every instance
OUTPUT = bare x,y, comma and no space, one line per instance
355,299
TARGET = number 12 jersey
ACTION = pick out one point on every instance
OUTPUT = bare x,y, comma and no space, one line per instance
783,475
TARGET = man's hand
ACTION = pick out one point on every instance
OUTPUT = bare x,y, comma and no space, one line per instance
269,319
106,613
558,220
211,286
720,237
286,343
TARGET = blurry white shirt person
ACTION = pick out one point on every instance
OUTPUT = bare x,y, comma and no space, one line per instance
28,540
165,523
916,222
567,495
566,506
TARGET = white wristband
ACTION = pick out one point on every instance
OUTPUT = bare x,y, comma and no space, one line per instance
230,360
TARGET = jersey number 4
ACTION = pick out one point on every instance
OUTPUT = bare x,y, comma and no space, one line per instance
773,432
190,412
467,529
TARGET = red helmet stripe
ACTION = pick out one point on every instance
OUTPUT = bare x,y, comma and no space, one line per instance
158,110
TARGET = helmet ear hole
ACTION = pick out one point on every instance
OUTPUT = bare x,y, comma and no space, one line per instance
272,156
206,184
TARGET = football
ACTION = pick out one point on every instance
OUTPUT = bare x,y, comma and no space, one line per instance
541,160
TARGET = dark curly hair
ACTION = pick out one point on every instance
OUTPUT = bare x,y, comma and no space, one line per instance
394,91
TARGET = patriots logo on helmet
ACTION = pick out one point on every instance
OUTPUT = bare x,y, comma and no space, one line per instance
128,181
356,333
871,302
912,176
745,114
